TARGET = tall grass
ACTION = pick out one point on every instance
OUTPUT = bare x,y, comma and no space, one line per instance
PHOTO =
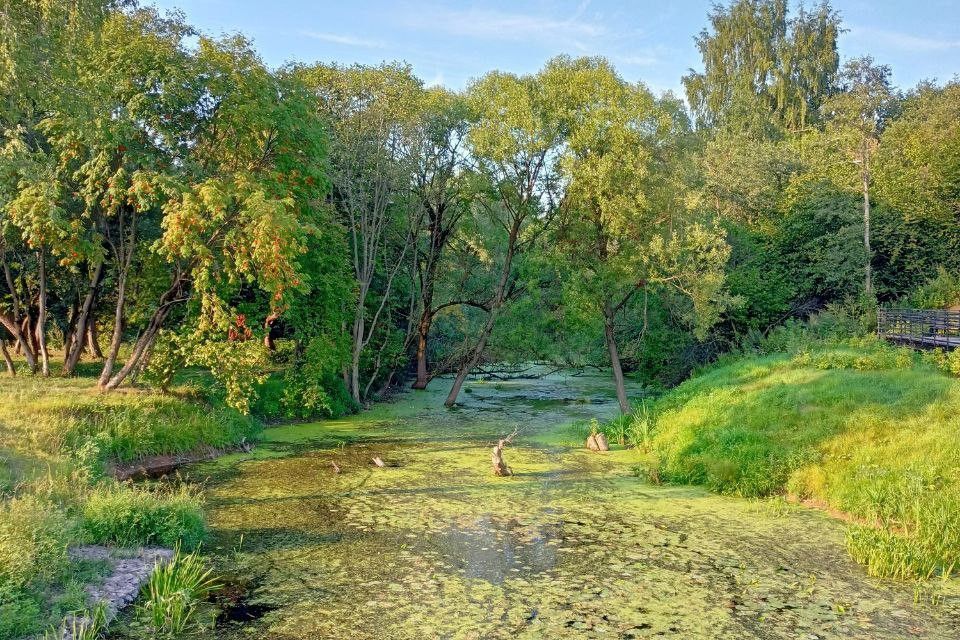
56,436
127,516
174,591
860,426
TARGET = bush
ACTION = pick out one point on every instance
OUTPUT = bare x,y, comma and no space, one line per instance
126,515
33,542
20,614
941,292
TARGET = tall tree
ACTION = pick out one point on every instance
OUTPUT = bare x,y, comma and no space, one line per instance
917,174
855,118
763,68
442,187
372,114
628,229
515,144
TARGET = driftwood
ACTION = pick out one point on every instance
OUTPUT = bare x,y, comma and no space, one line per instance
500,467
597,442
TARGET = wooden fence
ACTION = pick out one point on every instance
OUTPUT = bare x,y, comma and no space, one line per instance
921,328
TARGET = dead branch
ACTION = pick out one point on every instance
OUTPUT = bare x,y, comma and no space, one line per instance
500,467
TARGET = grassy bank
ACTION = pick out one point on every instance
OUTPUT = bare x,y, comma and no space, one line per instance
859,427
57,437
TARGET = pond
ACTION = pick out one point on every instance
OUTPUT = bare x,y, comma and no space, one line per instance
316,541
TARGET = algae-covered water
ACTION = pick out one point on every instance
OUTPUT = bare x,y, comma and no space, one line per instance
432,545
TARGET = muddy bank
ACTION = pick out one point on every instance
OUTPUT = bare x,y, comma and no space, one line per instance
151,467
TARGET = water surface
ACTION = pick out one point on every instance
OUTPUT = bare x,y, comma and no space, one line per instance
572,546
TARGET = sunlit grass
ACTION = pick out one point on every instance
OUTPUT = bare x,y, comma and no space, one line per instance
862,428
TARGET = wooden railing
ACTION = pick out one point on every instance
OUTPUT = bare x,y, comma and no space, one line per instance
923,328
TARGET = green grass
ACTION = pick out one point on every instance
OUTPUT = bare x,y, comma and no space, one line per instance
128,516
57,436
859,427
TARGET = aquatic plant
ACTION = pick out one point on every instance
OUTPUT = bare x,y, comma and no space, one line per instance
174,591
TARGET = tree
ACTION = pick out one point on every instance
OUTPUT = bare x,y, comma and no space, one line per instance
627,230
855,118
37,40
372,114
917,174
514,144
442,188
763,69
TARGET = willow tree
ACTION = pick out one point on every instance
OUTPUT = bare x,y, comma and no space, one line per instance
627,228
514,143
763,68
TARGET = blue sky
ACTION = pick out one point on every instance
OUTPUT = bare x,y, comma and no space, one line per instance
451,42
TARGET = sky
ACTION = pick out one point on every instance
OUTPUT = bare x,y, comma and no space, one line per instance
449,43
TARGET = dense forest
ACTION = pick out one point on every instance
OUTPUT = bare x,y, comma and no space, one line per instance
168,201
196,245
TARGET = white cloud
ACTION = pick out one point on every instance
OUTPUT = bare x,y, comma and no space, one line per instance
904,41
345,39
499,25
637,60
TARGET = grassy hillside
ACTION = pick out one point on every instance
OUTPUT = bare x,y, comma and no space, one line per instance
859,427
56,436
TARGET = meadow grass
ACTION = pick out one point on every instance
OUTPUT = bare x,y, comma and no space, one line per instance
858,427
57,436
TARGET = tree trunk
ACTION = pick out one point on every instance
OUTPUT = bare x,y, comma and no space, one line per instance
117,336
495,305
83,320
609,334
355,351
423,332
267,326
865,176
93,339
146,339
41,328
70,330
11,369
15,329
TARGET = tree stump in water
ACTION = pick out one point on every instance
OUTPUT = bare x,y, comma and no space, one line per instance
500,467
597,442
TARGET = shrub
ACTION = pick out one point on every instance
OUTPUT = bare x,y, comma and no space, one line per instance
946,361
173,592
939,293
128,516
33,542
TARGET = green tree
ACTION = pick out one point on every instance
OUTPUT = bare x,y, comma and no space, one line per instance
762,68
628,229
855,118
443,188
515,143
372,113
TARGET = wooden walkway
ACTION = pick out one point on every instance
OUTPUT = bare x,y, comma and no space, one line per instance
920,328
